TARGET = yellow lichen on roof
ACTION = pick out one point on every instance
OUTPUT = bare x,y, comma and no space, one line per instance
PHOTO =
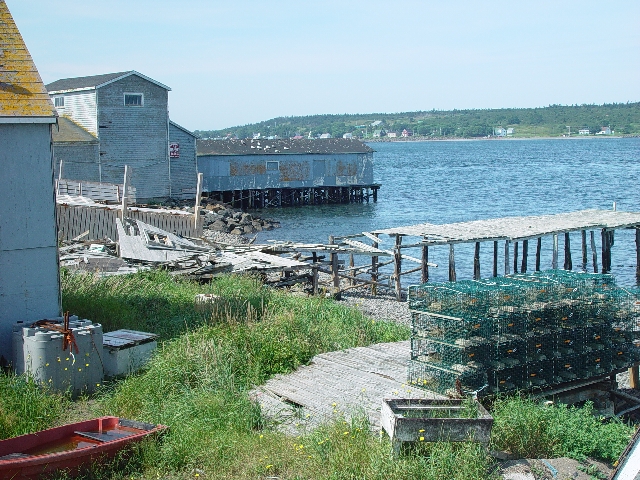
22,93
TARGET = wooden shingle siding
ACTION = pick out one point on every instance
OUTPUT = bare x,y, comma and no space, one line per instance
135,135
241,172
79,161
81,108
29,287
183,169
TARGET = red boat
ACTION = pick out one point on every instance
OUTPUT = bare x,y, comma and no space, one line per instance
70,448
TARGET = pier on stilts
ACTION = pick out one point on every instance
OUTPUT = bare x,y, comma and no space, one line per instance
296,197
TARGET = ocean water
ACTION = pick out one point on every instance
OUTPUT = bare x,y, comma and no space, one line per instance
455,181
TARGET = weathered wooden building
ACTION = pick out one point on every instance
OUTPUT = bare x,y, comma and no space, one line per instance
29,279
127,113
258,172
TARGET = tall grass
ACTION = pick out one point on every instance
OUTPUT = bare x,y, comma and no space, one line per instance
529,429
25,407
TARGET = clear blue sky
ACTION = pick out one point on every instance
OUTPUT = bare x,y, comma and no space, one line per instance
242,61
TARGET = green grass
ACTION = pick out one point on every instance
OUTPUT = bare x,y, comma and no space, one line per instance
197,383
25,407
529,429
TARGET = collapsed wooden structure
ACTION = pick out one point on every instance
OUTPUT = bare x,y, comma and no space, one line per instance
510,231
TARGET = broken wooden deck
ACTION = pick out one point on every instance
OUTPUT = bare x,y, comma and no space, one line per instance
344,382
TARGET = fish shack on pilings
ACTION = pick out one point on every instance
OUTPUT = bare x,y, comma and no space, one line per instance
259,173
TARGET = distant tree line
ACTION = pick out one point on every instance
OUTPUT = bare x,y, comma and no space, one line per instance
554,120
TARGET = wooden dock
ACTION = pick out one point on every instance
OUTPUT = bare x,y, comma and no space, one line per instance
345,382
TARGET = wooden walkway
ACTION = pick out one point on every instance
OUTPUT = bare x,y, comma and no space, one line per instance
345,382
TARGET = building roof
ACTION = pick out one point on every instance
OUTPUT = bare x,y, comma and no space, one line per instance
70,132
282,146
94,81
183,129
23,97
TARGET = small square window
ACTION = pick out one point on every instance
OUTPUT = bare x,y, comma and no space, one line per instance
133,99
58,101
272,166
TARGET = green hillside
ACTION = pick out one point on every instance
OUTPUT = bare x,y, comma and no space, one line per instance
551,121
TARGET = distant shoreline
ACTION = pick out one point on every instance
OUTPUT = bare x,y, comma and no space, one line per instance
473,139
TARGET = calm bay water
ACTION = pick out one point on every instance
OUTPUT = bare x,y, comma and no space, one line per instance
454,181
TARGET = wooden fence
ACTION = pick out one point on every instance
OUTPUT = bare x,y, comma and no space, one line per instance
100,221
103,192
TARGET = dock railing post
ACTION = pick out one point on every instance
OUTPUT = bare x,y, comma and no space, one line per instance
554,259
515,257
583,234
495,258
538,253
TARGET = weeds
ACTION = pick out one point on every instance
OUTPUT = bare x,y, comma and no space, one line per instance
26,407
526,428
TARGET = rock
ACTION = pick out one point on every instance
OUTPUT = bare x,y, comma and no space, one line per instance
246,218
248,229
236,231
210,207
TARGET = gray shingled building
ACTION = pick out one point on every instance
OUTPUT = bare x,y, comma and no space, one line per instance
126,113
287,171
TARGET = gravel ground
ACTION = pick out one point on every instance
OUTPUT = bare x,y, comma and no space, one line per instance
382,306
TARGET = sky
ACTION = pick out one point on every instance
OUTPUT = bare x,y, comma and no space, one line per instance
237,62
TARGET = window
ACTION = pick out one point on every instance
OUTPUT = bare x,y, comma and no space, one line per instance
133,99
272,166
58,101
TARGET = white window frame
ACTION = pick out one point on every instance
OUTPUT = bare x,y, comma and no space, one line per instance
124,99
58,102
277,169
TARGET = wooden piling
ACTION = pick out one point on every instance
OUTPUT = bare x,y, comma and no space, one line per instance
452,264
476,262
606,252
334,271
507,267
538,253
568,264
638,255
374,271
196,209
515,257
633,378
351,265
594,252
397,257
125,191
425,264
525,254
495,259
554,259
584,250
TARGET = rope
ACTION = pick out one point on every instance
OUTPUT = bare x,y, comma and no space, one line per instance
68,340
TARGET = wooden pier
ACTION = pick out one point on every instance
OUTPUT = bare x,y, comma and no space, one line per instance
295,197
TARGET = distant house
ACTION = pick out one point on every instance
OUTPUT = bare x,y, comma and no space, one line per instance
407,133
126,113
254,166
510,131
29,271
325,135
348,135
376,123
297,137
584,131
500,132
379,133
392,134
604,131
